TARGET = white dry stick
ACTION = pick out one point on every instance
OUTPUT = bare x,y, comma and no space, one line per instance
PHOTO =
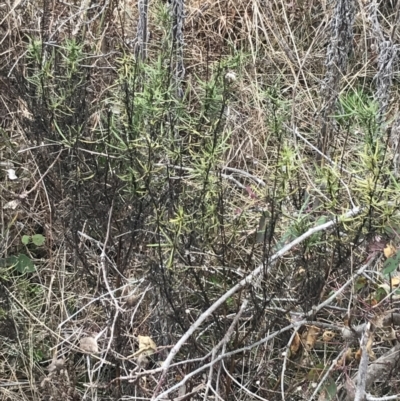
133,314
327,373
223,343
187,377
234,180
92,386
100,245
340,168
322,305
249,347
380,369
111,339
297,133
103,262
83,308
253,396
387,398
229,334
13,8
242,283
82,11
142,30
285,361
226,176
363,368
109,291
26,193
245,174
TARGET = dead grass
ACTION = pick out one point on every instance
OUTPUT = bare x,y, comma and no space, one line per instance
151,210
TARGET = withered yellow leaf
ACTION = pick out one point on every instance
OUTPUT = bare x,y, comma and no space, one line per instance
328,336
395,281
389,251
346,358
369,350
146,345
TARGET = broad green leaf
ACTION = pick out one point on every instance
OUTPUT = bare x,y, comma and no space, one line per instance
26,239
316,372
38,239
331,390
391,263
24,264
8,262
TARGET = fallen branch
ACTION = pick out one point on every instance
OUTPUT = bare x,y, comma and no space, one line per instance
362,369
380,368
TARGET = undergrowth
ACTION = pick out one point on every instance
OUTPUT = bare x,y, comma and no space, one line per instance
146,171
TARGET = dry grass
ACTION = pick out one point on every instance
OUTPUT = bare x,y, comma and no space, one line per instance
160,171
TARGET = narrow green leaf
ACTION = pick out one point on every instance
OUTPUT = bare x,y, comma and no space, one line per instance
262,225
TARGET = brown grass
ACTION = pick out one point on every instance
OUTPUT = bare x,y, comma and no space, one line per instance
136,271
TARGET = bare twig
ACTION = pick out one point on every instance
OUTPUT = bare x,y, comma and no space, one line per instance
362,369
26,193
246,281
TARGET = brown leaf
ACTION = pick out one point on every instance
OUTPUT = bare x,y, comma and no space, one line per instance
350,388
370,343
357,355
132,300
310,337
322,395
295,345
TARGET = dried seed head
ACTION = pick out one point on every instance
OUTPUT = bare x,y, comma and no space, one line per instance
230,77
142,361
146,345
11,174
89,345
132,300
56,365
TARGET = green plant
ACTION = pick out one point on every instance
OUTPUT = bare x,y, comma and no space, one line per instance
36,239
21,263
360,111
